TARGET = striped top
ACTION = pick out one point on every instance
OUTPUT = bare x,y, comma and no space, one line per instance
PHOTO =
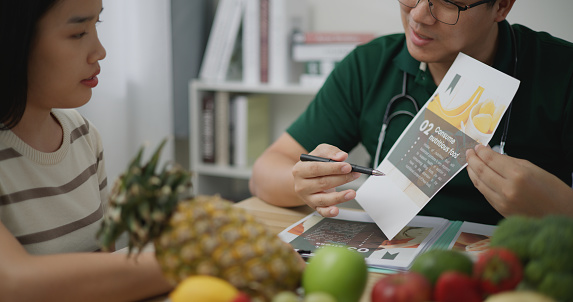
53,202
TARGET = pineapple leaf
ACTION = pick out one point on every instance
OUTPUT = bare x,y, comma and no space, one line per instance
149,168
142,201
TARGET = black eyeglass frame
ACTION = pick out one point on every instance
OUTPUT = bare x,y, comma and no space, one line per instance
460,8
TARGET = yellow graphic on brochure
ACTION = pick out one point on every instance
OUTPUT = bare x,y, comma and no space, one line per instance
476,119
486,116
457,116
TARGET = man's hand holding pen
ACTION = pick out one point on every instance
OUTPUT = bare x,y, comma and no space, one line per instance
315,182
355,168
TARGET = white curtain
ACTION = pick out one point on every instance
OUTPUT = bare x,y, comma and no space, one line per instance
132,104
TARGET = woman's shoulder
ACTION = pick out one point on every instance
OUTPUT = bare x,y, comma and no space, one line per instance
72,116
79,126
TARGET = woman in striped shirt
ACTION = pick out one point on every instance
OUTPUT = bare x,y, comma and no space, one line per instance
53,186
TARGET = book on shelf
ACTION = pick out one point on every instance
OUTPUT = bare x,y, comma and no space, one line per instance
222,148
323,67
235,128
251,41
264,41
208,128
251,131
235,69
319,60
231,130
222,39
311,37
356,230
321,51
285,18
312,80
316,72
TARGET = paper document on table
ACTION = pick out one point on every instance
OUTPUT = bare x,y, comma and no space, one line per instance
357,231
465,110
472,238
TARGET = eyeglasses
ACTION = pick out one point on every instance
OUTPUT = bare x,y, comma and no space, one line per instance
444,11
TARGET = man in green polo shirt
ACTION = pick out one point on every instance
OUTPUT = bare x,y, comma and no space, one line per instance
535,176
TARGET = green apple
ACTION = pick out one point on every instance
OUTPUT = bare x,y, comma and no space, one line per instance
285,296
319,297
338,271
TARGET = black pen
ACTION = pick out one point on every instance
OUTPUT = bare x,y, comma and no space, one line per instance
355,168
305,254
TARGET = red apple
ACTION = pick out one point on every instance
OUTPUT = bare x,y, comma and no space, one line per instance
454,286
402,287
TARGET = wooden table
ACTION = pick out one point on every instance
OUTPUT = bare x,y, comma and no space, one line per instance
278,219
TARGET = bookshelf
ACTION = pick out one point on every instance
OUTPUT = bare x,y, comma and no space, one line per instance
231,182
286,104
267,68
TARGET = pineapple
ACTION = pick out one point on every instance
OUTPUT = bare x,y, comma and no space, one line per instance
204,235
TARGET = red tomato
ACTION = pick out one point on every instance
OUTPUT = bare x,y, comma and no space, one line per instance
497,270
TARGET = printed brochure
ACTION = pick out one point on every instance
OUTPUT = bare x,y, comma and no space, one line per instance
464,111
356,230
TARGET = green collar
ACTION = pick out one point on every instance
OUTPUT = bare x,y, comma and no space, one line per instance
405,62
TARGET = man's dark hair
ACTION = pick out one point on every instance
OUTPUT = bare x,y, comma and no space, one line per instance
18,27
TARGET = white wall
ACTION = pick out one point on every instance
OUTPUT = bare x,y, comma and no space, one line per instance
552,16
383,16
133,101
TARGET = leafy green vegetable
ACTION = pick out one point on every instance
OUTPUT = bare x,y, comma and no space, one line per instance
545,246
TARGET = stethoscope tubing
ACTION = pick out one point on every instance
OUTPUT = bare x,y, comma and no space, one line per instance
388,117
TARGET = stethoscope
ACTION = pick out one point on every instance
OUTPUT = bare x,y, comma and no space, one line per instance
404,96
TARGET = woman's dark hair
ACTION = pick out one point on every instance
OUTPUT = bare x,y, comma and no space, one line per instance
18,24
